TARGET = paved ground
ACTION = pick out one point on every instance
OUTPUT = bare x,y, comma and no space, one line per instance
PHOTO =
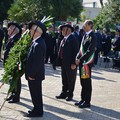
105,98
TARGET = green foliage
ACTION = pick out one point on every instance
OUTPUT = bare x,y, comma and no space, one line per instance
62,9
109,15
15,64
22,11
26,10
113,7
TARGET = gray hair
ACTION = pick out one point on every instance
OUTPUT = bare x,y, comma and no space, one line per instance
17,30
90,23
38,29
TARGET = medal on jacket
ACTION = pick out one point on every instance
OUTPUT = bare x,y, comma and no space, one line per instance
87,38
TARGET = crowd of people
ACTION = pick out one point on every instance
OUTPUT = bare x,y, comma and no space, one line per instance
65,46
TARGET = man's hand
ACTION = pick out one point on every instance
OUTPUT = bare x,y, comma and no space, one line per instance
31,78
73,66
77,61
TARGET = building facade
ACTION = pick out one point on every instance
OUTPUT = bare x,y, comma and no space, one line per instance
91,8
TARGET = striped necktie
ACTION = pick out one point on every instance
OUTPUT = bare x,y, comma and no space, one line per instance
61,48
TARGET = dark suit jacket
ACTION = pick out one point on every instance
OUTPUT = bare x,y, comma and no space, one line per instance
35,60
98,41
1,38
70,50
79,37
9,44
106,44
116,44
89,48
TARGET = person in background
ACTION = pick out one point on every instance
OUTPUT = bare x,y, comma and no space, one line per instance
106,43
116,49
5,30
50,40
98,46
59,38
1,40
82,33
116,42
76,33
24,27
84,59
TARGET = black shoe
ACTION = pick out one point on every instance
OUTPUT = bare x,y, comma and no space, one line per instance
69,99
1,60
54,67
29,111
79,103
31,114
93,65
10,98
14,101
60,97
84,105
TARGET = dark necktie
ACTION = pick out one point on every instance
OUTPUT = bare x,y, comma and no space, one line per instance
85,36
8,41
61,48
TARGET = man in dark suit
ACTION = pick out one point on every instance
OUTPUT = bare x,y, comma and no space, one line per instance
67,53
1,39
50,40
35,70
98,46
116,48
14,33
84,59
116,42
77,34
106,44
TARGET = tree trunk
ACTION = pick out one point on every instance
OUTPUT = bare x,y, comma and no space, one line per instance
101,2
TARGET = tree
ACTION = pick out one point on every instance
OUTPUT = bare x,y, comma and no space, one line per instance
4,6
26,10
109,15
62,9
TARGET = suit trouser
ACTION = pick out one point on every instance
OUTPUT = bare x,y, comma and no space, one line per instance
35,87
96,56
49,53
17,90
68,81
86,87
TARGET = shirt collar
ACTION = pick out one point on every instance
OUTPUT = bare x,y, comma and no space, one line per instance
87,33
66,37
12,36
36,39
